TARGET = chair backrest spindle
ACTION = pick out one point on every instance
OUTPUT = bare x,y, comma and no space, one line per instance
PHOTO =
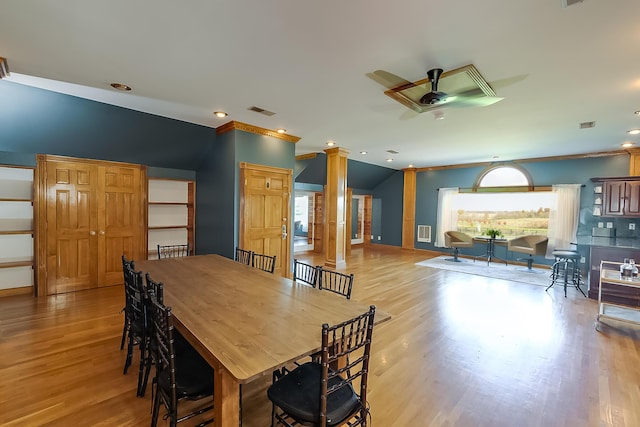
174,251
334,281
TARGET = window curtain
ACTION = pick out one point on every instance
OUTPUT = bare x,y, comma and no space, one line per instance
447,217
563,217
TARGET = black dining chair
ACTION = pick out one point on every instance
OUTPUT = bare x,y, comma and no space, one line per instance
173,251
125,263
156,289
185,376
264,262
243,256
135,311
307,273
334,281
331,392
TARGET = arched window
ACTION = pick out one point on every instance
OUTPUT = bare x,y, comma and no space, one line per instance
504,176
503,198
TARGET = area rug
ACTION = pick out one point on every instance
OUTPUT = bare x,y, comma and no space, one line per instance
514,273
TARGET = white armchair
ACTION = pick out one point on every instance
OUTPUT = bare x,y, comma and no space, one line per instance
457,240
531,245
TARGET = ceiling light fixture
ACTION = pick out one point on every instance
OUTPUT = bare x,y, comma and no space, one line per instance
410,166
281,130
637,113
363,152
331,143
633,131
121,86
220,114
389,160
627,144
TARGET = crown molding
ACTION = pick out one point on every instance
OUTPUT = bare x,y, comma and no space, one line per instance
307,156
530,160
234,125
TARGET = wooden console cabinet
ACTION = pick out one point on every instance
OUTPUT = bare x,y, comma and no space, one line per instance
622,295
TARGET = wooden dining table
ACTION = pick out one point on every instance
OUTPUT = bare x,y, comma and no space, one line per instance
243,321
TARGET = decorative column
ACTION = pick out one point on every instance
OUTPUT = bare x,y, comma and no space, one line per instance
349,217
409,209
336,208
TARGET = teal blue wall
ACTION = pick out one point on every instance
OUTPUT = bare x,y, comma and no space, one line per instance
39,121
17,159
168,173
218,185
215,195
386,217
360,175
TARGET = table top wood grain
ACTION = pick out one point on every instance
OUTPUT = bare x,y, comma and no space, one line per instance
244,320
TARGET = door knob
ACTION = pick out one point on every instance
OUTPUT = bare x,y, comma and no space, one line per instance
102,232
92,233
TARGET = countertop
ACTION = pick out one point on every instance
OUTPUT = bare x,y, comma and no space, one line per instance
609,242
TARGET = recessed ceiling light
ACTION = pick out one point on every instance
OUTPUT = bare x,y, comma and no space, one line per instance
331,143
627,144
637,113
389,160
410,166
633,131
495,157
363,152
220,114
121,86
281,130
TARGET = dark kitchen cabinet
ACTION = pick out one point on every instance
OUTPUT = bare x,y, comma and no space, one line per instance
620,197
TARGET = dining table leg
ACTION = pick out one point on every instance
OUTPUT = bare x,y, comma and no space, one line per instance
226,399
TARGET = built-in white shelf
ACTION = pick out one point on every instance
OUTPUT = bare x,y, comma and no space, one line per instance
16,229
171,214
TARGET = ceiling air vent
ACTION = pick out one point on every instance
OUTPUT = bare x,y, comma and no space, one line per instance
566,3
587,125
261,111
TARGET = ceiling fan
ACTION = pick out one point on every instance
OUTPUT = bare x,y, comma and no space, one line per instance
459,88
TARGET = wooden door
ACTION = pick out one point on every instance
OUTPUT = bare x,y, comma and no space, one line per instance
90,213
265,211
71,218
121,224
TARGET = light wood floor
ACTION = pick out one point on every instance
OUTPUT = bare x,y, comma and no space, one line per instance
460,350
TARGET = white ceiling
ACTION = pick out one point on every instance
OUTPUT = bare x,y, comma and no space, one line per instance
308,62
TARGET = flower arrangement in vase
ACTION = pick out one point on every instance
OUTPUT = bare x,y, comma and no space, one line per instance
493,232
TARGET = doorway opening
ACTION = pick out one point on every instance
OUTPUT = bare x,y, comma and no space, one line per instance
357,219
303,229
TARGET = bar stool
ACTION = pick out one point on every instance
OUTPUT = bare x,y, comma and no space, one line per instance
566,268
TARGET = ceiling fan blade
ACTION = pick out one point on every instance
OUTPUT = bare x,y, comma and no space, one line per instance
502,83
390,80
484,101
409,114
